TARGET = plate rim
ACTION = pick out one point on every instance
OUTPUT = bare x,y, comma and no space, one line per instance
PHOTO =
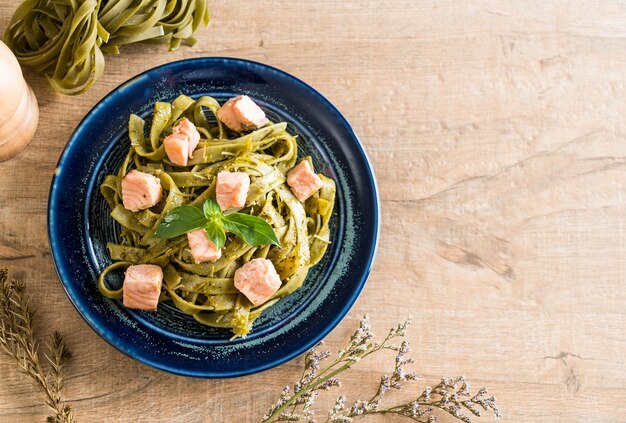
117,342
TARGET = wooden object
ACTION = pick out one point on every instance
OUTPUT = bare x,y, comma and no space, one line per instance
496,130
19,113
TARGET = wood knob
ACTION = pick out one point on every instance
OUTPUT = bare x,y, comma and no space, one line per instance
19,113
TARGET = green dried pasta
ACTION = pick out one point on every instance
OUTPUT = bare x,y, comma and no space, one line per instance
67,39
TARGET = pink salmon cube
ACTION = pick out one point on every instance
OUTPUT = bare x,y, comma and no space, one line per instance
257,280
181,143
202,248
188,129
242,114
140,190
303,182
231,190
142,286
177,148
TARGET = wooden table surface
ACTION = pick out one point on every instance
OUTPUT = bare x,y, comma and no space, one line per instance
496,130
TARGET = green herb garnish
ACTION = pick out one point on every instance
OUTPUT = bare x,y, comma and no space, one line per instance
251,229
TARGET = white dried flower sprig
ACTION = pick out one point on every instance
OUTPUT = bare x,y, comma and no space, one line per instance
451,395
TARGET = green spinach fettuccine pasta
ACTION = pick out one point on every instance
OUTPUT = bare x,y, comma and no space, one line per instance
206,291
67,39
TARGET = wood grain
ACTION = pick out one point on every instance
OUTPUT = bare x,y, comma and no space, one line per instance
496,130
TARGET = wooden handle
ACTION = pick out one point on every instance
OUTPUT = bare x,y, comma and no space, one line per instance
19,112
18,133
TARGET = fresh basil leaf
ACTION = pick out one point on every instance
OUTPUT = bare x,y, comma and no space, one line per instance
251,229
216,233
212,209
179,221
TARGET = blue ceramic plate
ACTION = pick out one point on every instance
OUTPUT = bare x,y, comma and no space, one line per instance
79,224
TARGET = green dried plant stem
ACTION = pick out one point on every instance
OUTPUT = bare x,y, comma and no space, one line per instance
397,409
451,396
309,388
18,340
320,379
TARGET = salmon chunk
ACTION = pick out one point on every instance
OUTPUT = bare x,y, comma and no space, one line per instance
257,280
303,182
181,143
188,129
177,148
242,114
232,189
142,286
140,190
202,248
